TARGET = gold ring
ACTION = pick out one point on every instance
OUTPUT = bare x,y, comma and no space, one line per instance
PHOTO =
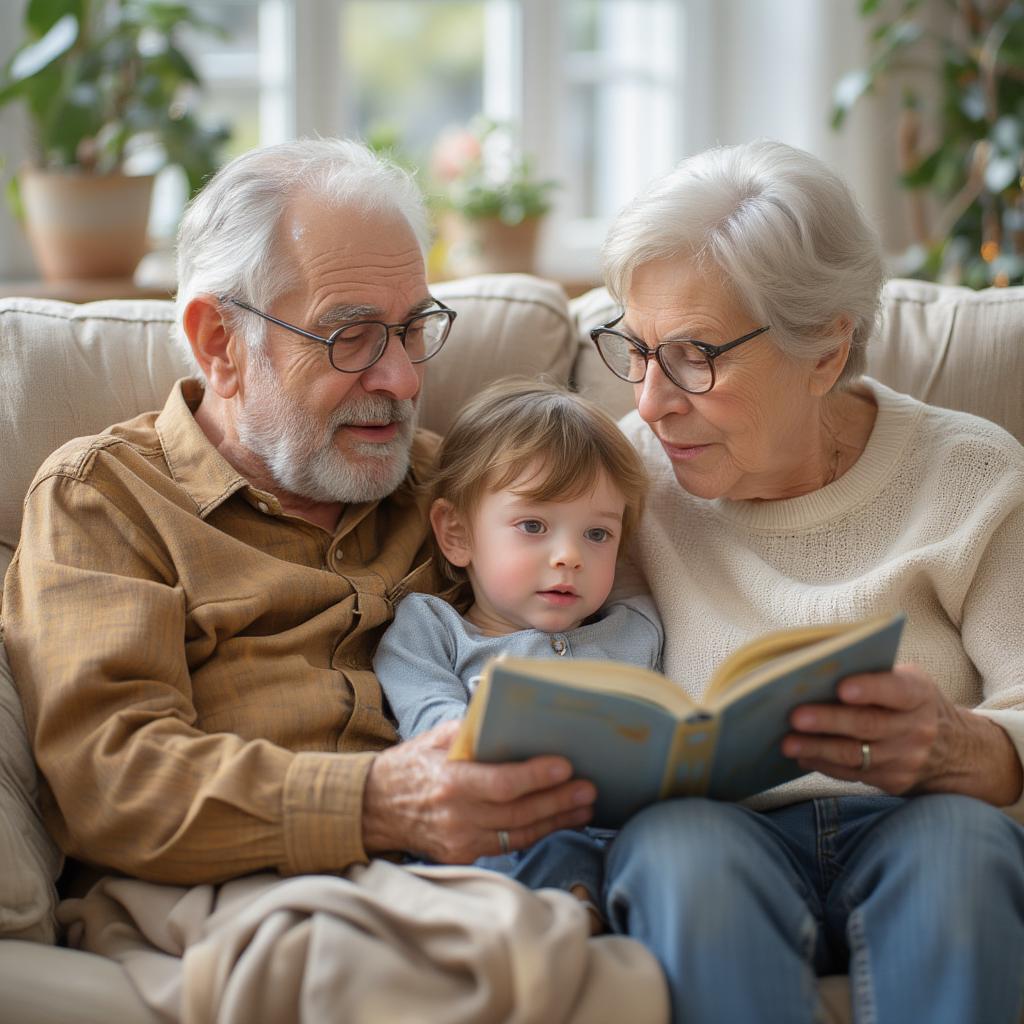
865,756
503,840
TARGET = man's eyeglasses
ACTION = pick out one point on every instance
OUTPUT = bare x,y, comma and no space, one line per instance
690,365
356,345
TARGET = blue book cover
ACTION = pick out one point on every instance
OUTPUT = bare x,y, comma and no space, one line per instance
638,737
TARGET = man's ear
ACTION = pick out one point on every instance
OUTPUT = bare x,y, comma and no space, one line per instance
214,345
828,367
452,534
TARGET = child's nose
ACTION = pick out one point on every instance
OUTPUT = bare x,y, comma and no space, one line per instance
567,555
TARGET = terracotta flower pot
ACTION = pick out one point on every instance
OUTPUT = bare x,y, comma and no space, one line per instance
86,225
487,245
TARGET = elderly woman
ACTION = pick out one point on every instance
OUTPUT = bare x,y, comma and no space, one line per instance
788,490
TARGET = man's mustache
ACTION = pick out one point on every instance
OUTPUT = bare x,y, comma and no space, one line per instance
371,410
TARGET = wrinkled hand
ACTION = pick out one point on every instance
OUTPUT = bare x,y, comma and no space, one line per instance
418,801
920,740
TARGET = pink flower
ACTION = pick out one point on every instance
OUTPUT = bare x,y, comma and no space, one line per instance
455,151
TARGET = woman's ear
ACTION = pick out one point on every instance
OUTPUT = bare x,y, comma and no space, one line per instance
828,367
213,344
451,532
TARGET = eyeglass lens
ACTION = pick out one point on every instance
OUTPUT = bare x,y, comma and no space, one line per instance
686,365
358,345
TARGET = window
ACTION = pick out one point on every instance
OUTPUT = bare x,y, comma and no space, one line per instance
593,85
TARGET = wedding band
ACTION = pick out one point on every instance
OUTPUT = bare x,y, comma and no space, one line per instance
503,840
865,756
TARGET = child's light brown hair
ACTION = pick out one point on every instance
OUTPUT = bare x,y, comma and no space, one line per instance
517,424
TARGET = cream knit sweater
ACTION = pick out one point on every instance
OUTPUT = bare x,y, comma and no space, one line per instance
930,519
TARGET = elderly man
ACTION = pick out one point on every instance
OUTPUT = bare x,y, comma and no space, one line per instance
193,609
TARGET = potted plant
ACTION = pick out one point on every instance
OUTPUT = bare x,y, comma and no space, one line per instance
105,83
490,203
962,160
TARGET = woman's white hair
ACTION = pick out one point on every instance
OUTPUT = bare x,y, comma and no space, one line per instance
226,238
782,230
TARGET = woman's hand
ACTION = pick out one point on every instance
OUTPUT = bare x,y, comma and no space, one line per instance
451,812
919,740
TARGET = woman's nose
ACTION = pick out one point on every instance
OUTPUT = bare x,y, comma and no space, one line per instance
656,395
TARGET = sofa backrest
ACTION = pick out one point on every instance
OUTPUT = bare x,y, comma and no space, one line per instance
69,370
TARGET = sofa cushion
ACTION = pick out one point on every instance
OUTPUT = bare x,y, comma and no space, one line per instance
29,859
954,347
68,370
508,325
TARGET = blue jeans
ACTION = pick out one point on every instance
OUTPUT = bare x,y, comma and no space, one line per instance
558,861
920,900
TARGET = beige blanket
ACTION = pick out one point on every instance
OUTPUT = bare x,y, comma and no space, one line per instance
381,945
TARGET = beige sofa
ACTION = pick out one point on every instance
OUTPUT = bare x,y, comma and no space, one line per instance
70,370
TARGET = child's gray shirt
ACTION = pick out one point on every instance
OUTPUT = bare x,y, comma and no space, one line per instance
430,655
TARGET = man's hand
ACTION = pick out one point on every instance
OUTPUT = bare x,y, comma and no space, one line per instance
919,740
418,801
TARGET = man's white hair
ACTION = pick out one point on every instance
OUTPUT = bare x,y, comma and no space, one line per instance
782,231
226,238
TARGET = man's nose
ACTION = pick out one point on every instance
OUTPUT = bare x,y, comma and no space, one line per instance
393,374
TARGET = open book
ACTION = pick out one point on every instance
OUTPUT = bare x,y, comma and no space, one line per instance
639,738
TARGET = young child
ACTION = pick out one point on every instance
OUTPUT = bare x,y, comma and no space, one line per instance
535,492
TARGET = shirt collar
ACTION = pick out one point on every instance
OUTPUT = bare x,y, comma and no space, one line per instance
195,464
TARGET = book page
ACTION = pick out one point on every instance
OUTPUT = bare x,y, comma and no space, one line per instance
602,676
773,654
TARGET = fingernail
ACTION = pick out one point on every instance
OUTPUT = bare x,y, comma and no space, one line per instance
851,691
559,772
804,719
583,795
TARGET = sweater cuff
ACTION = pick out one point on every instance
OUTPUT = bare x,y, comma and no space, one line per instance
1012,723
323,812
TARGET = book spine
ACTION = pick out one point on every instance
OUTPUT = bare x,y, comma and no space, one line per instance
688,769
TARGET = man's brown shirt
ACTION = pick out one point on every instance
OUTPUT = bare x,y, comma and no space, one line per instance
195,665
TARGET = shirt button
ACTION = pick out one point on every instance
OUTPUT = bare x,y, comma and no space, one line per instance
263,507
559,646
338,554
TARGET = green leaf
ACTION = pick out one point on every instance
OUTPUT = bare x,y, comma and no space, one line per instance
42,15
35,57
868,7
14,201
847,91
179,65
880,31
924,173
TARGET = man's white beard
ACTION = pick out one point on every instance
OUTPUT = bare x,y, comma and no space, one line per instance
299,451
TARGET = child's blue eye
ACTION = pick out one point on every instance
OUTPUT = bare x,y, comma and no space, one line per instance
532,526
598,534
